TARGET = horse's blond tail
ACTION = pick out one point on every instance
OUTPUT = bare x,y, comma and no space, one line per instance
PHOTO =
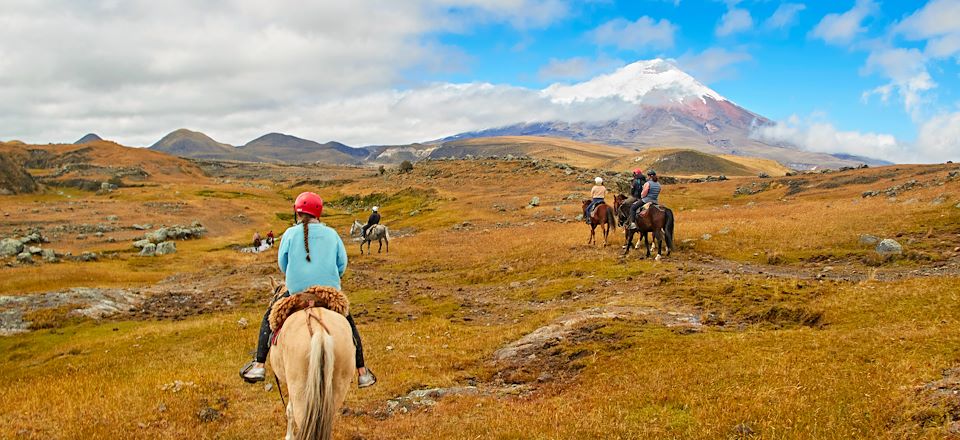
386,232
318,395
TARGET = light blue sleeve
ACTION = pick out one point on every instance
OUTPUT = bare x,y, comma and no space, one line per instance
282,252
341,255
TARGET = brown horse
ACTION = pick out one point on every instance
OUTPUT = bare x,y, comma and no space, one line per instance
658,220
602,216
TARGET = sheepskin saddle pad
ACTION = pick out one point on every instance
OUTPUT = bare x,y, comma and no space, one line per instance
316,296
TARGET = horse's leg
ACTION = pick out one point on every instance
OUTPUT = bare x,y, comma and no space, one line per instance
290,426
388,243
606,232
628,238
658,237
361,248
592,227
380,247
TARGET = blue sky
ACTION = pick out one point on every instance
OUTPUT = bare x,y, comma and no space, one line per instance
872,77
783,71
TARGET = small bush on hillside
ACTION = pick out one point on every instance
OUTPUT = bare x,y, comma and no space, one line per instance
406,167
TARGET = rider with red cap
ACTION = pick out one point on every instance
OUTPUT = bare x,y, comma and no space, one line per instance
636,188
310,254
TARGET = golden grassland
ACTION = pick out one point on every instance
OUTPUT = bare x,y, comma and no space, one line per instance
796,357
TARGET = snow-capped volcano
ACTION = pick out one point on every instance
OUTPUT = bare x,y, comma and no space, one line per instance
652,82
671,109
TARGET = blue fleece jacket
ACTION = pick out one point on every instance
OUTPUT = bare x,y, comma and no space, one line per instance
327,254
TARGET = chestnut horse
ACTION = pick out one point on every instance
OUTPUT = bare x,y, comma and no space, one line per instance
602,216
659,221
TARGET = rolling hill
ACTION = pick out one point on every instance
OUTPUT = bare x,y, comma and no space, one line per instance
279,147
196,145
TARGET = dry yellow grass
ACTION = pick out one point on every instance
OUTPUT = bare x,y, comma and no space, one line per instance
443,300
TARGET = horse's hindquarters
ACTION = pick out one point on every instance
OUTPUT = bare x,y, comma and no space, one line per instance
290,357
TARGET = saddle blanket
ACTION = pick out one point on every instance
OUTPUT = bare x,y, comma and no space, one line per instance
316,296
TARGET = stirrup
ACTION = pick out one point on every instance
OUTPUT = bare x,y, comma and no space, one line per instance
246,369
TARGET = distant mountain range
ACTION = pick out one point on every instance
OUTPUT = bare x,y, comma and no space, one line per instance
673,110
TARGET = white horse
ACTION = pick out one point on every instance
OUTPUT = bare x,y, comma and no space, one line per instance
376,232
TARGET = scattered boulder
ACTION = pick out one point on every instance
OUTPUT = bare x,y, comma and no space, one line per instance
112,218
535,201
148,250
706,237
25,257
34,250
141,227
763,176
167,247
869,240
10,247
50,256
176,232
140,244
88,257
889,247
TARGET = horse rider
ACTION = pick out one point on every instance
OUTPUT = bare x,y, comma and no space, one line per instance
651,192
636,189
270,238
256,240
320,260
598,193
374,219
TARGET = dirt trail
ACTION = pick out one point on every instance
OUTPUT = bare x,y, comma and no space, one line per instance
839,271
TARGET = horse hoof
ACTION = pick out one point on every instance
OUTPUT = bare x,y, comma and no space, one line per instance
657,258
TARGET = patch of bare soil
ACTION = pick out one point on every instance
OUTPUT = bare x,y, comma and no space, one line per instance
938,404
552,352
850,271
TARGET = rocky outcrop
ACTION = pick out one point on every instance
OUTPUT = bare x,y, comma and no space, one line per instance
14,178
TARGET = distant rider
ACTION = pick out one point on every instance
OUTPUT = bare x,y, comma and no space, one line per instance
270,238
310,254
651,192
373,220
256,240
636,189
598,193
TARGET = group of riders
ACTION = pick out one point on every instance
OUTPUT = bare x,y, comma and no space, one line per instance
644,191
320,261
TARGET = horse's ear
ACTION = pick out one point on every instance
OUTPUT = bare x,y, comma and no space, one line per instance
273,283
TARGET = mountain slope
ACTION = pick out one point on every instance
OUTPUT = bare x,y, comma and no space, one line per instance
89,137
672,110
196,145
279,147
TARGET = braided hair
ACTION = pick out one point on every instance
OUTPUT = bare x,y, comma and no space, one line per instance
305,221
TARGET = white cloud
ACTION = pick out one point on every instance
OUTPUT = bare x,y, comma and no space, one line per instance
637,35
733,21
938,22
577,68
712,64
133,70
938,139
785,16
908,73
841,28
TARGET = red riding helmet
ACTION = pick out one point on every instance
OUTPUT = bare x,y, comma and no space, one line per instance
637,172
309,203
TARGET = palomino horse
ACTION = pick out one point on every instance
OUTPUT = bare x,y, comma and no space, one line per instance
376,232
314,357
659,221
602,216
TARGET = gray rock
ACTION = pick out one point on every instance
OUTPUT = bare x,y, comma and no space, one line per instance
868,239
414,212
889,247
706,237
535,201
141,227
112,218
148,250
107,186
167,247
88,256
25,257
139,244
50,256
10,247
34,250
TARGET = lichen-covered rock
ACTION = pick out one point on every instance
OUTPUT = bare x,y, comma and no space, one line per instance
167,247
140,244
10,247
889,247
50,256
868,239
25,257
148,250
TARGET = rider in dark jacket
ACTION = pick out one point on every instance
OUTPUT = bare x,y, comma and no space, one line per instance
636,188
373,220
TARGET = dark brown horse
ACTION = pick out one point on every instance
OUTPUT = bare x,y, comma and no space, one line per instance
602,216
658,220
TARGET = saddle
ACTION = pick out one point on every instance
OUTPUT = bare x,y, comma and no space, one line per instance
645,209
316,296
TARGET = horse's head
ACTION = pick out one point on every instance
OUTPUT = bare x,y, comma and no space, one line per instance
586,202
356,227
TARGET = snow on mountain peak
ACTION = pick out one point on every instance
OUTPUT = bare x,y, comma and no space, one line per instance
654,81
